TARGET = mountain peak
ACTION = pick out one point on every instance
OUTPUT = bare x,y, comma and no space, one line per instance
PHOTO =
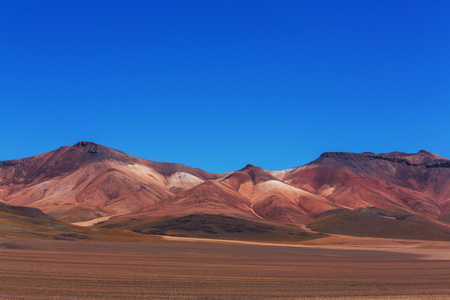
87,180
429,154
256,173
89,147
84,144
421,158
250,166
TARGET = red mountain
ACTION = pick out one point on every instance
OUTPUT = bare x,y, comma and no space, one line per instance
88,181
418,183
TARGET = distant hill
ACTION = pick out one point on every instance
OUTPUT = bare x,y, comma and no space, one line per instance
19,221
88,181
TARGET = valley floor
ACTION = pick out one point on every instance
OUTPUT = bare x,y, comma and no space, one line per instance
47,269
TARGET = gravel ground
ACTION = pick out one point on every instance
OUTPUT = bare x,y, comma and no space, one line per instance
37,269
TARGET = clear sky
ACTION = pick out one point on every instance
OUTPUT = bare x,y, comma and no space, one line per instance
217,84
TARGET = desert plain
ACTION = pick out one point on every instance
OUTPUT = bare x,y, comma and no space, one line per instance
183,268
91,222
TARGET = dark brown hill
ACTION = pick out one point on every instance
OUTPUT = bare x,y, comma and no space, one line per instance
375,222
22,211
29,222
212,226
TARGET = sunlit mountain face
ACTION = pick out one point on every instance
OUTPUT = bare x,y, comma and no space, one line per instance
90,182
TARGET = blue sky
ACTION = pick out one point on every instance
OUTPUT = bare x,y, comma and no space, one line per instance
219,84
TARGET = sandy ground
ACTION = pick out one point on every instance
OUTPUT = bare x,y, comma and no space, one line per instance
92,222
40,269
427,250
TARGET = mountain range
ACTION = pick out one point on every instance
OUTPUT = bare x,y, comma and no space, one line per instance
365,194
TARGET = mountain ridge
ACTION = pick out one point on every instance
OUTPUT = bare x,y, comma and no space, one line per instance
88,181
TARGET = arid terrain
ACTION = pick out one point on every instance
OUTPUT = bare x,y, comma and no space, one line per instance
90,222
390,195
353,268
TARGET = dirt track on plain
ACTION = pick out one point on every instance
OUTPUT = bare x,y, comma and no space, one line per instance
37,269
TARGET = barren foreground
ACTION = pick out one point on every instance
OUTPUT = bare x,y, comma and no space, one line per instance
39,269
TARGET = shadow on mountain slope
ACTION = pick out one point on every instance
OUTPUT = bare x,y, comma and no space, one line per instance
213,226
374,222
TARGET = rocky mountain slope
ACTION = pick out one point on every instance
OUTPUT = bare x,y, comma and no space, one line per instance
88,181
419,183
